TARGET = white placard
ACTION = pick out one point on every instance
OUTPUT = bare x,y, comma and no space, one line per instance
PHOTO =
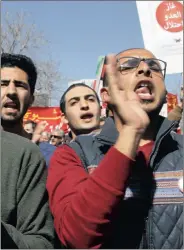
162,29
164,111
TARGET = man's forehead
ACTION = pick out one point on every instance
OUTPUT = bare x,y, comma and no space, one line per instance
79,92
7,72
136,53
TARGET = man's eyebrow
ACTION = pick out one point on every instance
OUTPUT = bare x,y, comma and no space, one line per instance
77,98
20,82
90,95
74,98
5,80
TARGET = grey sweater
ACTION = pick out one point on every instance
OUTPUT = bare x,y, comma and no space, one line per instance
26,221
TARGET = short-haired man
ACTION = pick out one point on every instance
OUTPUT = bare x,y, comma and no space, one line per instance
57,137
124,190
80,105
18,80
26,220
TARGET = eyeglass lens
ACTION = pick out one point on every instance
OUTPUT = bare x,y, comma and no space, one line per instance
129,63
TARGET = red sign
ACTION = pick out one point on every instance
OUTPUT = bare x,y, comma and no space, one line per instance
172,101
169,15
52,115
55,118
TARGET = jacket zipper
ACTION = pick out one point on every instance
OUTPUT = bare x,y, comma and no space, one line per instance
145,240
155,151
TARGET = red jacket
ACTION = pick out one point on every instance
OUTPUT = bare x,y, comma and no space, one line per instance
81,203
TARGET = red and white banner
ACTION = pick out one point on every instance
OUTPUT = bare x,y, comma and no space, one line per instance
55,118
52,115
162,29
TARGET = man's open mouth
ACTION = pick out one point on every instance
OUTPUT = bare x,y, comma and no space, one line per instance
11,105
86,116
145,90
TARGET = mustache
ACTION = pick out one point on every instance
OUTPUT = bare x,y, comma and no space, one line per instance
12,100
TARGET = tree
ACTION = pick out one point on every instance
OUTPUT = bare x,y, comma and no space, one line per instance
48,73
18,36
22,37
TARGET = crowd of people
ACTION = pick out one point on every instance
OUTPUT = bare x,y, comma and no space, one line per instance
112,182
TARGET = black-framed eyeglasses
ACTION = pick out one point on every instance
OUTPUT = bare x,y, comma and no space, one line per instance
56,136
128,63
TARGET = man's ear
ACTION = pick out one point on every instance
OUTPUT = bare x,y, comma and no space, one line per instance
64,118
104,94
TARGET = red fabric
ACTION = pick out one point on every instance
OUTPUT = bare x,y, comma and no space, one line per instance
146,150
172,101
80,202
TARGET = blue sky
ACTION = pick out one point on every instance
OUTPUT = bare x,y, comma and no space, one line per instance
80,31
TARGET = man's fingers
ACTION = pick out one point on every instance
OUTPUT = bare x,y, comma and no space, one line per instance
112,75
132,96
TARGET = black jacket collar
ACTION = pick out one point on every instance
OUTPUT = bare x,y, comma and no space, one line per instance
109,133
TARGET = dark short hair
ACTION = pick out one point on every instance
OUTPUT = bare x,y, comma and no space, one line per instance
62,101
22,62
31,122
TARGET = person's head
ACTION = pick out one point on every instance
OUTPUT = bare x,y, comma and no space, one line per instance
29,126
80,105
45,136
57,137
18,80
140,71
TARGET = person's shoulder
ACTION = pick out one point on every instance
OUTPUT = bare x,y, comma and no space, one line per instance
66,151
18,142
179,138
46,145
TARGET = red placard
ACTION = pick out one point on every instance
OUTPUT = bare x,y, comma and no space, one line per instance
52,115
172,101
169,15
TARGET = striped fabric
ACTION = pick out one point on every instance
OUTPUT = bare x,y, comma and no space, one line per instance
167,190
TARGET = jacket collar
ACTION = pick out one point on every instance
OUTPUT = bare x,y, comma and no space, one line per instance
109,133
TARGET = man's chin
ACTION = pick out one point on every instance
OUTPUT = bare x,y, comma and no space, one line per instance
152,108
10,120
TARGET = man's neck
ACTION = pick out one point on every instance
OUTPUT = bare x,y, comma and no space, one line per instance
16,129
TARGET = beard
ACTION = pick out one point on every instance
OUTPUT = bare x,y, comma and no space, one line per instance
10,120
155,116
155,111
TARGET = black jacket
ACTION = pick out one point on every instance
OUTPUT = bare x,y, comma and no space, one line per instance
150,215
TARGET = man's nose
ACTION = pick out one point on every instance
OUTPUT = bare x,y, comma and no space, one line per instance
144,69
84,104
11,89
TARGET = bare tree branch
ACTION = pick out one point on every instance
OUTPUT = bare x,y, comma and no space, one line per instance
21,36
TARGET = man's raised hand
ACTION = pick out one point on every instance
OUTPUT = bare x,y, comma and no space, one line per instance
126,104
